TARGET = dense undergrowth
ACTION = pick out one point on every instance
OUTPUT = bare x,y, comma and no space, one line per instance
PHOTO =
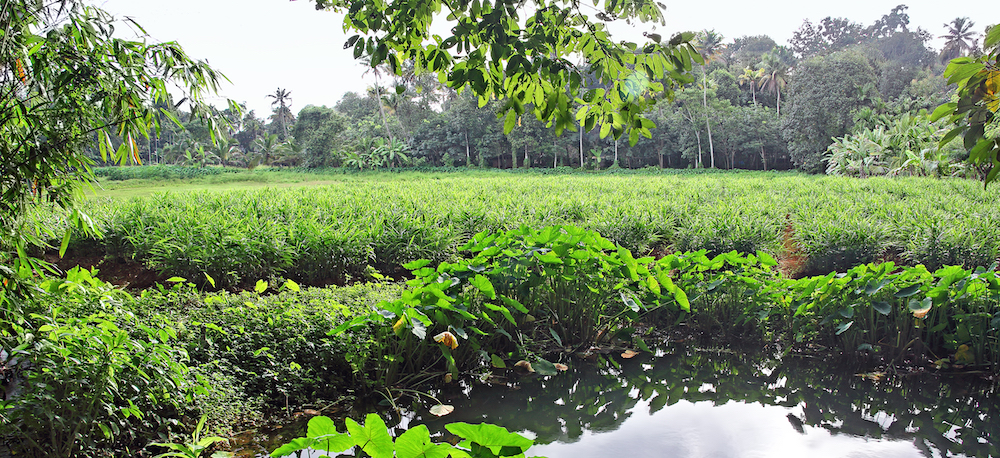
334,233
615,261
524,294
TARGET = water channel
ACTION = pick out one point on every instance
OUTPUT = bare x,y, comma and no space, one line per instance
689,402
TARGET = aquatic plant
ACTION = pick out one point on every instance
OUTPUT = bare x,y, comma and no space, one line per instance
372,437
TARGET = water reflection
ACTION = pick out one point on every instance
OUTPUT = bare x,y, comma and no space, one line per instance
686,402
694,403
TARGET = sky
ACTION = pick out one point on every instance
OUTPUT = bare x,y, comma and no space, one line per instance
263,45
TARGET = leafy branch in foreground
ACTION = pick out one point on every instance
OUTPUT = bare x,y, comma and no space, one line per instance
67,84
975,111
495,56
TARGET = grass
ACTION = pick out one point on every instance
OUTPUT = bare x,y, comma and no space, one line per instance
234,179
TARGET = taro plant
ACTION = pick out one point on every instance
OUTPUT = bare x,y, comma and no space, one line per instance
372,439
879,307
561,284
729,290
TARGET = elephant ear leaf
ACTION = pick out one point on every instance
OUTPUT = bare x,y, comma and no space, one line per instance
492,437
416,443
373,437
325,436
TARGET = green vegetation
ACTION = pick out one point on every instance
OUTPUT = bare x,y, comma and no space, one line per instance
334,233
505,296
479,441
975,111
504,267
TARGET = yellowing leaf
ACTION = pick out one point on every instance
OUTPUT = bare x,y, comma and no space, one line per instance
629,354
561,367
920,309
442,410
964,355
398,325
992,91
448,339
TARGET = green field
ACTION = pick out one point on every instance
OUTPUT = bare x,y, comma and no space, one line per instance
330,227
502,268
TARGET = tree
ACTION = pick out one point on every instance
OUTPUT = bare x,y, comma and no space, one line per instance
830,35
709,45
774,78
267,146
960,40
825,93
319,132
751,78
490,53
66,84
283,113
376,91
747,50
251,127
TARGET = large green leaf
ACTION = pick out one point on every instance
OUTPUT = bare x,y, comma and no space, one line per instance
324,433
908,291
416,443
490,436
484,285
373,437
543,367
293,446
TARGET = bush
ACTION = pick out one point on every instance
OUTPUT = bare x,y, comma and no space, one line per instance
87,384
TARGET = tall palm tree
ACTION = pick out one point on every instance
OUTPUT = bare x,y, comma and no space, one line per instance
960,39
283,99
751,78
775,75
709,45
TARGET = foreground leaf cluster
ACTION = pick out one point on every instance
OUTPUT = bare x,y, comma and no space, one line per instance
480,441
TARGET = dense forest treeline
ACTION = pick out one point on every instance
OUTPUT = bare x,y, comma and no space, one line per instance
840,97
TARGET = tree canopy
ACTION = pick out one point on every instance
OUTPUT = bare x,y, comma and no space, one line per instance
527,66
66,83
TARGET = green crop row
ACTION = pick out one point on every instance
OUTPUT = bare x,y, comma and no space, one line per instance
334,233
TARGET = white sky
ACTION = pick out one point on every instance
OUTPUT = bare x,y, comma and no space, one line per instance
262,45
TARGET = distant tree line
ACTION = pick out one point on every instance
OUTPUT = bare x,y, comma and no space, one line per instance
753,104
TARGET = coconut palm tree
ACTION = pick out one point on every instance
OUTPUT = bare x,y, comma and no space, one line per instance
283,99
267,146
960,39
709,45
751,78
775,75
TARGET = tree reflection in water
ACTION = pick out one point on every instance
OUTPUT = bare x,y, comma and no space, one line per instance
698,403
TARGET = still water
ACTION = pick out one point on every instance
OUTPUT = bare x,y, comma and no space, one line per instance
687,402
